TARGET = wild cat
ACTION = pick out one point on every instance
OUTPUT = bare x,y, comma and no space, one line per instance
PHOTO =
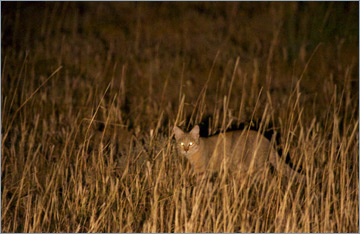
246,152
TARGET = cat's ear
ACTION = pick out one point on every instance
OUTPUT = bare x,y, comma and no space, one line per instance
178,132
195,132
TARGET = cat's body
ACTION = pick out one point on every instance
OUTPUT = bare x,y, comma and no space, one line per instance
246,152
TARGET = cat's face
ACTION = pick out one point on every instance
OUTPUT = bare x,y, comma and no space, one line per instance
187,143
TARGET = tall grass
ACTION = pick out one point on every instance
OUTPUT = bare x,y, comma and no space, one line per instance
91,92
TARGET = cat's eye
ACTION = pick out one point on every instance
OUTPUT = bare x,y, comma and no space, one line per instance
182,143
190,143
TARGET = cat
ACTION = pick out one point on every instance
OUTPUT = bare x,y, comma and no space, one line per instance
246,152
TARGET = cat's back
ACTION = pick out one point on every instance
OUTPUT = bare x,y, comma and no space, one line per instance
239,144
239,147
237,137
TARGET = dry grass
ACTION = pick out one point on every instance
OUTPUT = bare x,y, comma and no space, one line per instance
90,93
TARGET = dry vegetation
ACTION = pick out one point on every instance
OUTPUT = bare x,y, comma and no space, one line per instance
90,93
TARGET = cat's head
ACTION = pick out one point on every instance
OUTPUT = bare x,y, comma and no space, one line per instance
187,143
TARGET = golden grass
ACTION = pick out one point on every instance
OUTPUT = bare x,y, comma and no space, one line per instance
91,91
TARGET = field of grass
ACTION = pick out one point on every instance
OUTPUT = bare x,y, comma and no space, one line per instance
90,93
